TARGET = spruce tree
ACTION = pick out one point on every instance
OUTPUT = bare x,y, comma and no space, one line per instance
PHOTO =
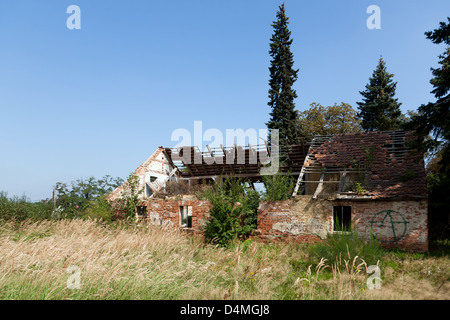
432,122
432,125
282,77
379,110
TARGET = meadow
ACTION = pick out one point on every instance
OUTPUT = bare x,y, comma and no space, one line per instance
88,259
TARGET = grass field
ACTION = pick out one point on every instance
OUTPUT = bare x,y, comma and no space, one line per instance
119,261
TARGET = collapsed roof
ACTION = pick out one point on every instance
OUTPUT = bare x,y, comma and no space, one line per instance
382,162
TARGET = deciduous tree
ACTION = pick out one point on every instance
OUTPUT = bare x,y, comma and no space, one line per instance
320,120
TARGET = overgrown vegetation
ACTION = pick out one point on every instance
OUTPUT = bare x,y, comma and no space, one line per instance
83,198
125,205
347,245
278,187
133,261
20,208
233,211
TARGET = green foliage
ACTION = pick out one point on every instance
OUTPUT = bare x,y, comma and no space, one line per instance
441,79
358,188
278,187
282,77
319,120
379,110
84,198
98,209
20,208
77,196
233,211
346,245
129,197
432,126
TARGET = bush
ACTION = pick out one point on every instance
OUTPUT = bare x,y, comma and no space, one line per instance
99,209
129,198
232,213
20,208
278,187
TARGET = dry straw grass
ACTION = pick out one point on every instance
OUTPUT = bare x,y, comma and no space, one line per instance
147,262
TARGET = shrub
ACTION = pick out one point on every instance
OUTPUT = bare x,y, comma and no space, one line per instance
232,213
278,187
99,209
20,208
129,197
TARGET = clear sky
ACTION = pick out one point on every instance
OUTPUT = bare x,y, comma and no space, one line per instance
100,100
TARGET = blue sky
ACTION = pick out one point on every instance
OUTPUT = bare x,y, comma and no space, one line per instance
100,100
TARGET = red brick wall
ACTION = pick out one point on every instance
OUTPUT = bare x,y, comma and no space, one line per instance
397,224
300,220
303,219
169,211
404,226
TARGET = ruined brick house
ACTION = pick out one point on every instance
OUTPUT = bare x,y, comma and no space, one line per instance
372,182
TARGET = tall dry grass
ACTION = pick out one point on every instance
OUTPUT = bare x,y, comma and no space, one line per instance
149,262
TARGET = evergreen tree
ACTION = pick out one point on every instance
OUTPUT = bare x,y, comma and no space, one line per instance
379,110
432,120
282,77
432,124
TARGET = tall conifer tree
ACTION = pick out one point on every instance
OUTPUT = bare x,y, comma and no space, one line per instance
432,122
379,110
282,77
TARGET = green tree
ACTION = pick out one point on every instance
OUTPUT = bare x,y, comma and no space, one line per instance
75,197
233,211
432,121
320,120
278,187
441,79
379,110
129,197
282,77
432,125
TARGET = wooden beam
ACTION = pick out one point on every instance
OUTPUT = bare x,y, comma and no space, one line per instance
342,181
225,157
300,176
319,187
252,155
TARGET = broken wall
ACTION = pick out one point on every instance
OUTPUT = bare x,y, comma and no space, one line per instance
165,212
156,165
397,224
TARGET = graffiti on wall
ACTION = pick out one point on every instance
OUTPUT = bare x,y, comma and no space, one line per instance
389,224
